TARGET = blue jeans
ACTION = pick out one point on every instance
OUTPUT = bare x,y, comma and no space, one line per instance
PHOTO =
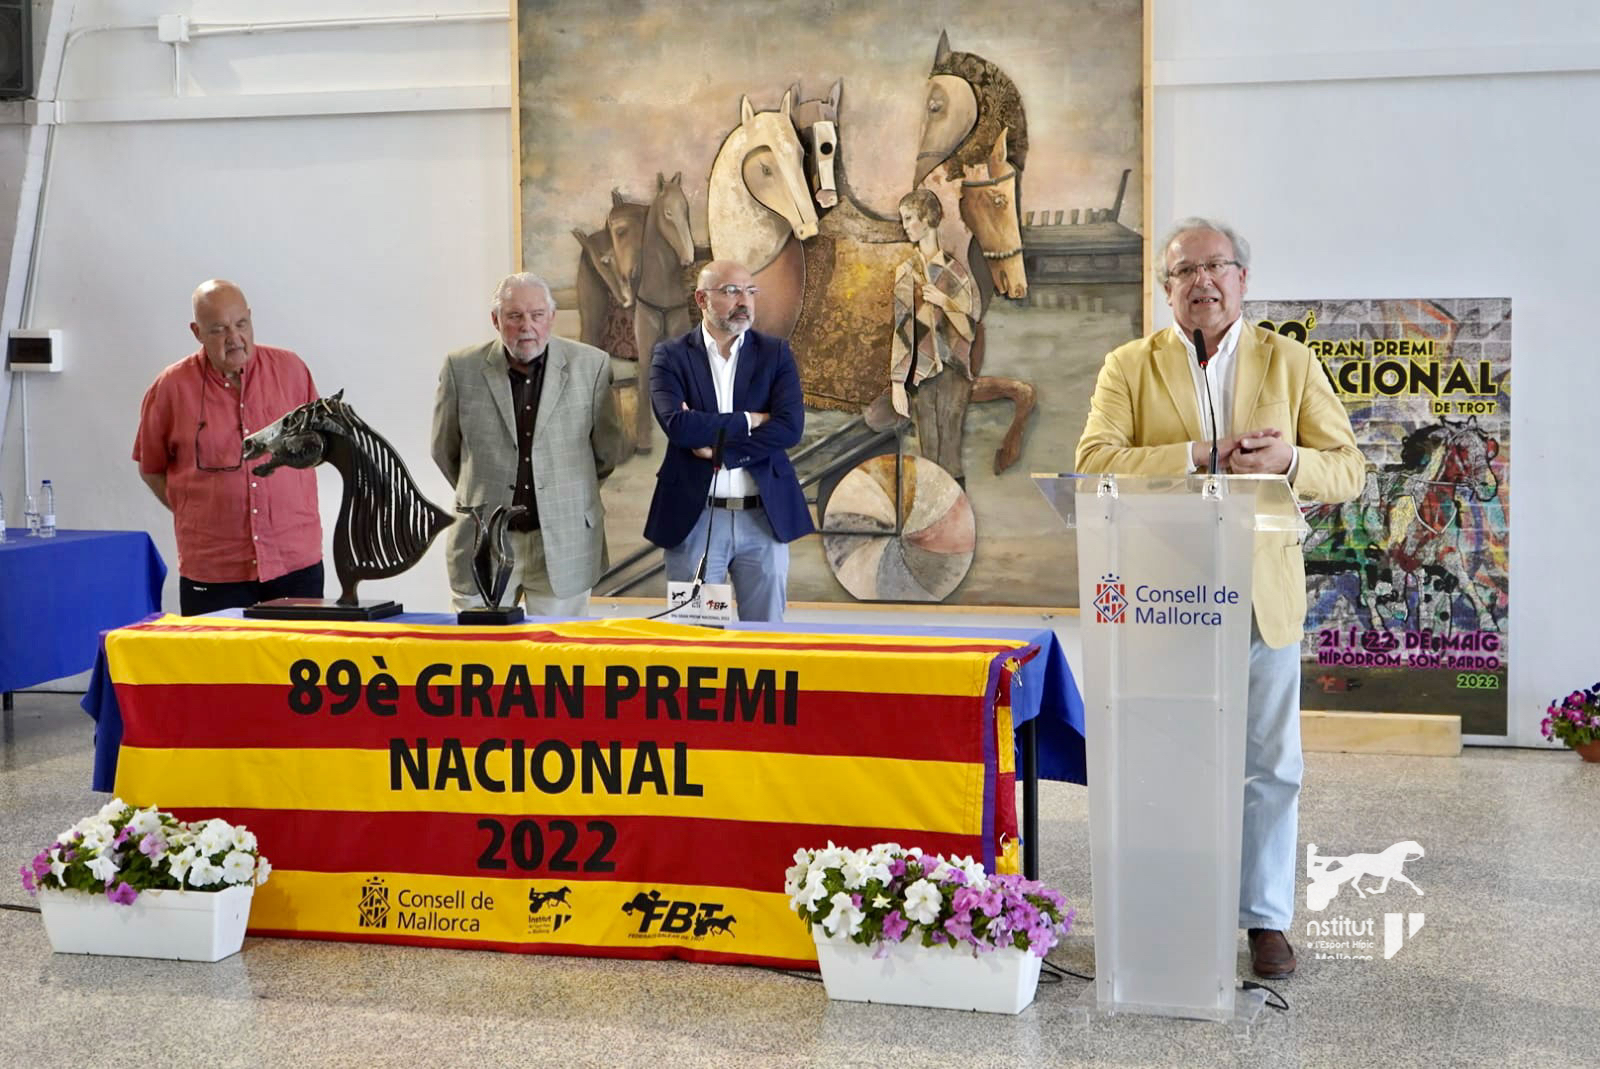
743,549
1273,768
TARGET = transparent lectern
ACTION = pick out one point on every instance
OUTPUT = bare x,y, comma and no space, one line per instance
1164,595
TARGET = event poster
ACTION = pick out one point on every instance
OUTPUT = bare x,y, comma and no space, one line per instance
1408,590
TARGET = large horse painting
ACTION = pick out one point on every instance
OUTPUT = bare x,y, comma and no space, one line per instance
790,147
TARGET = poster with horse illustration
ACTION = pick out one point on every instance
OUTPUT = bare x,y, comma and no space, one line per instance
1408,586
947,342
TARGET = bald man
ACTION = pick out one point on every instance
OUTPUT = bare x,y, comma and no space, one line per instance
729,400
241,538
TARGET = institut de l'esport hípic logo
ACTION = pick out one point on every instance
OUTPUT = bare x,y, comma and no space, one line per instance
1343,937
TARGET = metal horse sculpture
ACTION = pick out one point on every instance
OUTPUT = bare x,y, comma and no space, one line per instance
385,524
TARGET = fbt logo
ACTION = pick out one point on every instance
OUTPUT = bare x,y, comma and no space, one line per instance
1327,876
669,917
1110,600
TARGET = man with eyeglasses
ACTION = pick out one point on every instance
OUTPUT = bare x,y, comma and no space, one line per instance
241,538
528,421
1275,414
729,400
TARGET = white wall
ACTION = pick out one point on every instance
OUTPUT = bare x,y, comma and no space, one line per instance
1430,149
368,241
1436,148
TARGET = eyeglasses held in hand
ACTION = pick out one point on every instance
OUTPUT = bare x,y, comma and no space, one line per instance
1214,268
734,291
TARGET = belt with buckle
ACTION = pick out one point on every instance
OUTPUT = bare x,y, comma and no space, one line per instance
737,503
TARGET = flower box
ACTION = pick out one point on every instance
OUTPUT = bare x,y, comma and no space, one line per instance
910,974
186,925
894,924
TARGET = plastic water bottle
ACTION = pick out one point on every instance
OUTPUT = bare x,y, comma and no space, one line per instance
31,514
47,510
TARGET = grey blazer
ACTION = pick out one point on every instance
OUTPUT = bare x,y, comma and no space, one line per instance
577,441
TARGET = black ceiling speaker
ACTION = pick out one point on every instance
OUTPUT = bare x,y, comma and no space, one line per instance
16,49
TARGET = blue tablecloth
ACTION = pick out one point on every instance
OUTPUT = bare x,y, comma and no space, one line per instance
58,594
1045,692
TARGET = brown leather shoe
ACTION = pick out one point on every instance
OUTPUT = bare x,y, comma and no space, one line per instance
1271,956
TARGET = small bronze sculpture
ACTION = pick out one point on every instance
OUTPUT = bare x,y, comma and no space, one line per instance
492,562
385,524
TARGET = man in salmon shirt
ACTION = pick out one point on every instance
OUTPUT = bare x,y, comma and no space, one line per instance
241,538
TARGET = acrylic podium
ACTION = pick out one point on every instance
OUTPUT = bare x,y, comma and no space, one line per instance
1164,595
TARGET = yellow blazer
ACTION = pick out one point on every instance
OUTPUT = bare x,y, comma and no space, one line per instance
1144,414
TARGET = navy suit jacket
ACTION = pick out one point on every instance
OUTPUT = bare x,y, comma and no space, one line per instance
766,380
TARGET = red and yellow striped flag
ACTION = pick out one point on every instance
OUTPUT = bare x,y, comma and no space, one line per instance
620,787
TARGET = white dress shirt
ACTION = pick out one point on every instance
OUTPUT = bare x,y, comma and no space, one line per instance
1222,372
730,482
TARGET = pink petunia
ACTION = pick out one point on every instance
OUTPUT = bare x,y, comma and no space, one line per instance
122,894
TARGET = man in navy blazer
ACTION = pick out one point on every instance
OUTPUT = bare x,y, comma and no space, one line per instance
729,400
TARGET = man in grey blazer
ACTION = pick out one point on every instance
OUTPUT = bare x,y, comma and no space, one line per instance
528,419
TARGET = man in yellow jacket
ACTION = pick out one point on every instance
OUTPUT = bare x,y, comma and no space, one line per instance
1275,414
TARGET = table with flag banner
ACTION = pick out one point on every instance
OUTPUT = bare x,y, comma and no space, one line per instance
620,788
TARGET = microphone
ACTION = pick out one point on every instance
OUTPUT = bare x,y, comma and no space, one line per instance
716,466
1211,409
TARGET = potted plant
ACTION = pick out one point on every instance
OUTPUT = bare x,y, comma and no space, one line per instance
1575,720
141,883
896,925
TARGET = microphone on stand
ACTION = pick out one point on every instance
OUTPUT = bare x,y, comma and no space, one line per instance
1211,410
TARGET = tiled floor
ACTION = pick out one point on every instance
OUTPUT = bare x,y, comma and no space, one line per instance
1505,970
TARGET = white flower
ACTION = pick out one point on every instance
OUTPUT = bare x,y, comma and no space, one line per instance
263,870
878,871
854,870
794,877
178,862
244,838
845,919
57,867
112,810
104,868
96,836
973,870
923,902
238,867
814,891
830,858
215,837
145,821
880,901
203,874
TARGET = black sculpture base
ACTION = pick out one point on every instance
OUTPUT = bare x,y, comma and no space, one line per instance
322,609
510,614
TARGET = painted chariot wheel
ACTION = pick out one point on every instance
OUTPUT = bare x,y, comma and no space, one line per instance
914,546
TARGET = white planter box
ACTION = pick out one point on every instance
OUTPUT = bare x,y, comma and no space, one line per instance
187,925
947,978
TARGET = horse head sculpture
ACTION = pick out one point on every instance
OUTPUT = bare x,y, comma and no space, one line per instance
668,218
599,255
975,126
758,194
818,124
385,524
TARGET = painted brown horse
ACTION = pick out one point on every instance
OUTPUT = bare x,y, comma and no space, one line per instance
661,297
